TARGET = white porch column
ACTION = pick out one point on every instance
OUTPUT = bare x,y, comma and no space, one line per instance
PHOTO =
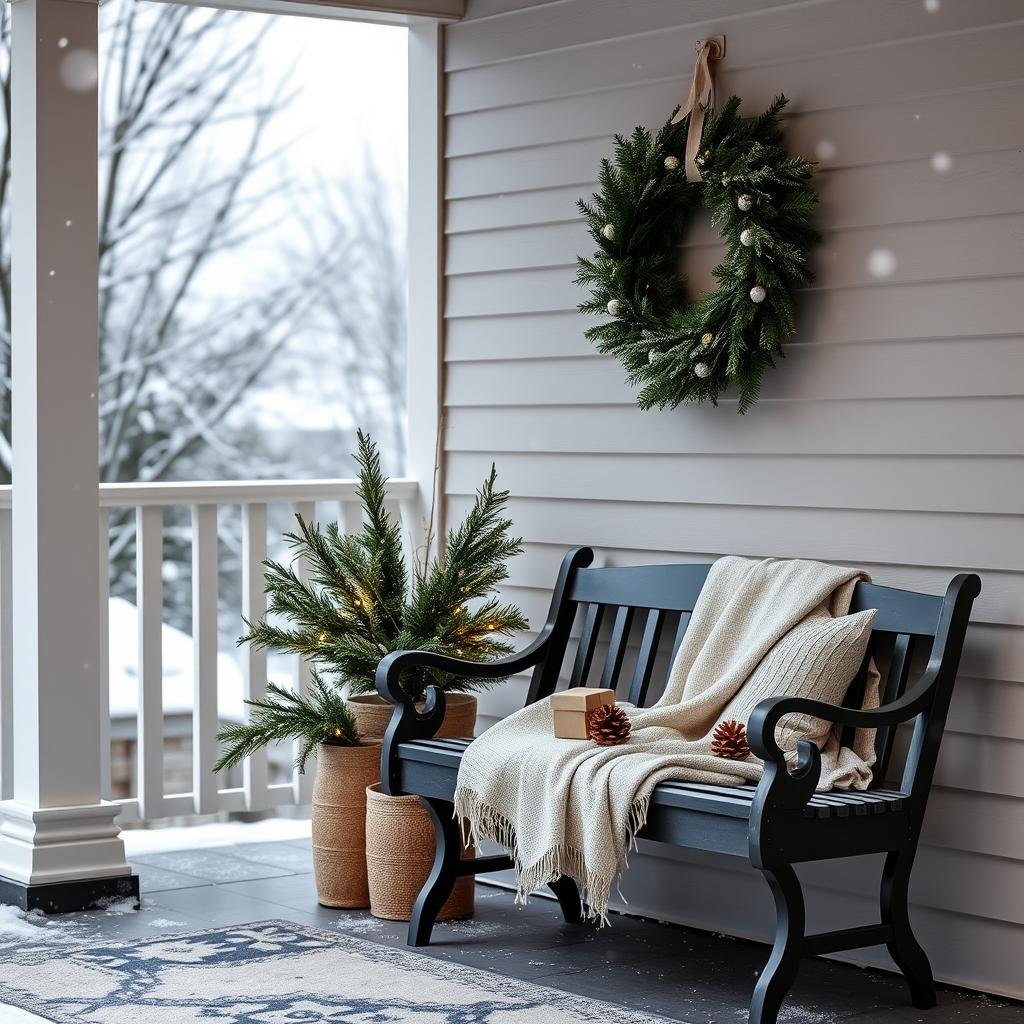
59,846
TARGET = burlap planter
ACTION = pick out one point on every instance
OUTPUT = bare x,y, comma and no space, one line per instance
399,856
339,822
372,715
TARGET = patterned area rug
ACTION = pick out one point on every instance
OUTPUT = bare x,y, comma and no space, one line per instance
275,972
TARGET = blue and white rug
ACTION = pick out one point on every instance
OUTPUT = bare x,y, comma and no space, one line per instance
275,972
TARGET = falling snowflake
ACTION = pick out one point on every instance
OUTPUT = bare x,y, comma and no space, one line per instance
881,262
825,150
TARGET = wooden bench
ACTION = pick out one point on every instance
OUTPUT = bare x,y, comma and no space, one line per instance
777,823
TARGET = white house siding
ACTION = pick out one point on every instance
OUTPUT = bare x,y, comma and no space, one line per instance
892,435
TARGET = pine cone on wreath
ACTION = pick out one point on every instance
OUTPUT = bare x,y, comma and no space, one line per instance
608,725
730,740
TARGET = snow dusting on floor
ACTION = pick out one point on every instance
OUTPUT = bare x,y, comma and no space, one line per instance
18,927
138,842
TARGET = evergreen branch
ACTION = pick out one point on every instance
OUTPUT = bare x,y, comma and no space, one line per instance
322,717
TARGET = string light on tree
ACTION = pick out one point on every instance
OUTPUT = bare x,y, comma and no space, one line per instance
707,339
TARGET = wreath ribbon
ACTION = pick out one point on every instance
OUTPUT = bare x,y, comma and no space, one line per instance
701,98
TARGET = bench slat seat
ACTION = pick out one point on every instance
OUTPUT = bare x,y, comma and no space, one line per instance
732,801
781,821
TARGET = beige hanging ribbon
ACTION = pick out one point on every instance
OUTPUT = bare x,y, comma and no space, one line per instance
701,97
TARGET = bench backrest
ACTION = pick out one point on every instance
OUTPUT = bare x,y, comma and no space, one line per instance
649,607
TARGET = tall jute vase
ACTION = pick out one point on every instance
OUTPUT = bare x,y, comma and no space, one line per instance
399,833
339,822
399,856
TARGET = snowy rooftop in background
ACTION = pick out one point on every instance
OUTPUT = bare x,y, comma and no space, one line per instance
178,668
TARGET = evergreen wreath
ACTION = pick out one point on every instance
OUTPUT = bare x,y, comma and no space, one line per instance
677,350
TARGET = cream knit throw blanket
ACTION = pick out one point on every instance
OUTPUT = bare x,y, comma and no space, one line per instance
759,629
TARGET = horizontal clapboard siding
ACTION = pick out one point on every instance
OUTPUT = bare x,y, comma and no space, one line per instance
891,437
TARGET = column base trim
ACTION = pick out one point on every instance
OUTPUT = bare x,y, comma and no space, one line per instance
64,897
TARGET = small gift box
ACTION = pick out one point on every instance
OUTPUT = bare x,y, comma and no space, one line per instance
571,710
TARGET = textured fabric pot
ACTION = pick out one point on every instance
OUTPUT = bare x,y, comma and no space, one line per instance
399,856
372,715
339,822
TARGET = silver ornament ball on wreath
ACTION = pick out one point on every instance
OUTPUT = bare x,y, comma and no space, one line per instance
609,232
757,294
702,370
745,202
671,163
747,237
614,307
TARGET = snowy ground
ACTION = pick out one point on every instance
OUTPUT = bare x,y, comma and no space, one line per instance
138,842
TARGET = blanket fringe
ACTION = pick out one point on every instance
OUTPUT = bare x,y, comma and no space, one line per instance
480,821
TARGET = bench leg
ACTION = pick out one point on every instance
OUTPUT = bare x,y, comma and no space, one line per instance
904,948
780,971
568,894
443,875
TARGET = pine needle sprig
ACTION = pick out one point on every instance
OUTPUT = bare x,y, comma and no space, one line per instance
321,717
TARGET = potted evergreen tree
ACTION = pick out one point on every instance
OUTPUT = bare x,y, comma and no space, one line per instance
361,601
358,602
346,766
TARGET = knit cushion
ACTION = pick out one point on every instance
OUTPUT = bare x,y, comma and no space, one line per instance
818,658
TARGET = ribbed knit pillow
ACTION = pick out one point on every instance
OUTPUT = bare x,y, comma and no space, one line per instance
817,659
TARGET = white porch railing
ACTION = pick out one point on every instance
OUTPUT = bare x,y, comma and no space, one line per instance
149,500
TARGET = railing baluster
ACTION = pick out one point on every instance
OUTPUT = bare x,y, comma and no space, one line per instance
394,509
149,599
104,538
350,516
303,784
254,662
6,660
205,579
413,527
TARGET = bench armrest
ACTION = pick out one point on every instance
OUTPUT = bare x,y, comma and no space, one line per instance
390,670
410,722
783,790
765,716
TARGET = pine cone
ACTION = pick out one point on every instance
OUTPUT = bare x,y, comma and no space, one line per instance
730,740
608,725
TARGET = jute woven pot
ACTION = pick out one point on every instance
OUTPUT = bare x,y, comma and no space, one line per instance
399,856
372,715
339,822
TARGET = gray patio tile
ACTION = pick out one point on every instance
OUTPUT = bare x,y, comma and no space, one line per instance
217,905
154,879
954,1006
288,857
213,866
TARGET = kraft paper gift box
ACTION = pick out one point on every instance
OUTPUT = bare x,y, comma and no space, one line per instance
571,709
